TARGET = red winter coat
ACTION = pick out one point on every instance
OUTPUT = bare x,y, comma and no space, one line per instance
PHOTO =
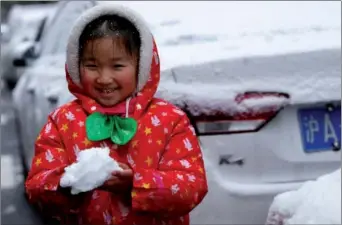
165,156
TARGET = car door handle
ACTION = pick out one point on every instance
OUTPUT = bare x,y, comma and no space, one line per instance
30,91
52,99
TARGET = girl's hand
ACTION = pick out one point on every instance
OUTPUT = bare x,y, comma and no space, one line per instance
121,181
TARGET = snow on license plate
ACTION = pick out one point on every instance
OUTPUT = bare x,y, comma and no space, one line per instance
320,128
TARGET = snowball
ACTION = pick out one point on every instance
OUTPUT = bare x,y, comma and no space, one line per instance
92,168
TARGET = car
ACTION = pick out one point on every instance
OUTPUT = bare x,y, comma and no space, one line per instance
25,25
32,95
262,92
4,33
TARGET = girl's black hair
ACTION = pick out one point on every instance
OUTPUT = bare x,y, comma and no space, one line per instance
115,27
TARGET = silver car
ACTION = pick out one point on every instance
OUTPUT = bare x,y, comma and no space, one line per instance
266,104
24,28
34,96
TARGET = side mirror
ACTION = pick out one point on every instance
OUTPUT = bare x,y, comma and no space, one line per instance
23,54
19,63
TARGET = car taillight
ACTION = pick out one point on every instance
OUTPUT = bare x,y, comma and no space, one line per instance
252,111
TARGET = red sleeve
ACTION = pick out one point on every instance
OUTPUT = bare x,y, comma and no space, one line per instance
179,184
42,183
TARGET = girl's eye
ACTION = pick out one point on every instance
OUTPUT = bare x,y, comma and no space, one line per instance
118,66
90,65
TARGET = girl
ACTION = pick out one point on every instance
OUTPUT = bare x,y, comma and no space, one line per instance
113,70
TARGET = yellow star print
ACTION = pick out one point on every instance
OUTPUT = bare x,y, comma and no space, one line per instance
86,142
134,143
159,142
148,131
59,150
38,161
133,194
146,185
193,159
153,106
74,135
149,161
178,150
64,127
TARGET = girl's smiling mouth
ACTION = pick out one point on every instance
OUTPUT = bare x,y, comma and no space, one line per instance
106,91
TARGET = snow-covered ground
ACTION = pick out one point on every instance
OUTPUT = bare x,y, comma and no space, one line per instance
316,202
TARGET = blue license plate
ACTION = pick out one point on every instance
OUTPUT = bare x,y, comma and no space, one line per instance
320,128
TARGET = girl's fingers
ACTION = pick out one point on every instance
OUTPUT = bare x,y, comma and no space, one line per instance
124,166
123,174
126,173
112,181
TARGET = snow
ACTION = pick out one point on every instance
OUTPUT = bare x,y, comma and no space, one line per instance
93,167
316,202
308,78
264,102
290,47
238,29
201,98
24,20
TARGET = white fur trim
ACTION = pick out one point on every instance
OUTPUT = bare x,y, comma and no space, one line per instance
146,49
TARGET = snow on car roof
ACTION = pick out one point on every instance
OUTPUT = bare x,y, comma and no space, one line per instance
228,29
24,20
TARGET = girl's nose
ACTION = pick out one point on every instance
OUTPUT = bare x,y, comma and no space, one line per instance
105,78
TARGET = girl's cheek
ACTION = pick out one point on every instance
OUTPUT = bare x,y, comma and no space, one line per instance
86,79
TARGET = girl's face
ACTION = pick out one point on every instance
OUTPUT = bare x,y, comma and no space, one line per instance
108,71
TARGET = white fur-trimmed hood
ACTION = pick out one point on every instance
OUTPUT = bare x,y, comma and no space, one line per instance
146,49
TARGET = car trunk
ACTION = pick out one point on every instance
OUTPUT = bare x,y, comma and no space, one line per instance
284,149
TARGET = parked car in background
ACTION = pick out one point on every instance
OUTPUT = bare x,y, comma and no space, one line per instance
4,33
34,96
25,25
262,92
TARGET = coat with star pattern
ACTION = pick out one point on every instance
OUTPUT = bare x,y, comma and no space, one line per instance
165,156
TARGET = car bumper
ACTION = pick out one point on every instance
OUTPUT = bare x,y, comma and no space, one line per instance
253,189
237,203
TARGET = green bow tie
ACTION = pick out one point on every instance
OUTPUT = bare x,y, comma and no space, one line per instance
119,130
